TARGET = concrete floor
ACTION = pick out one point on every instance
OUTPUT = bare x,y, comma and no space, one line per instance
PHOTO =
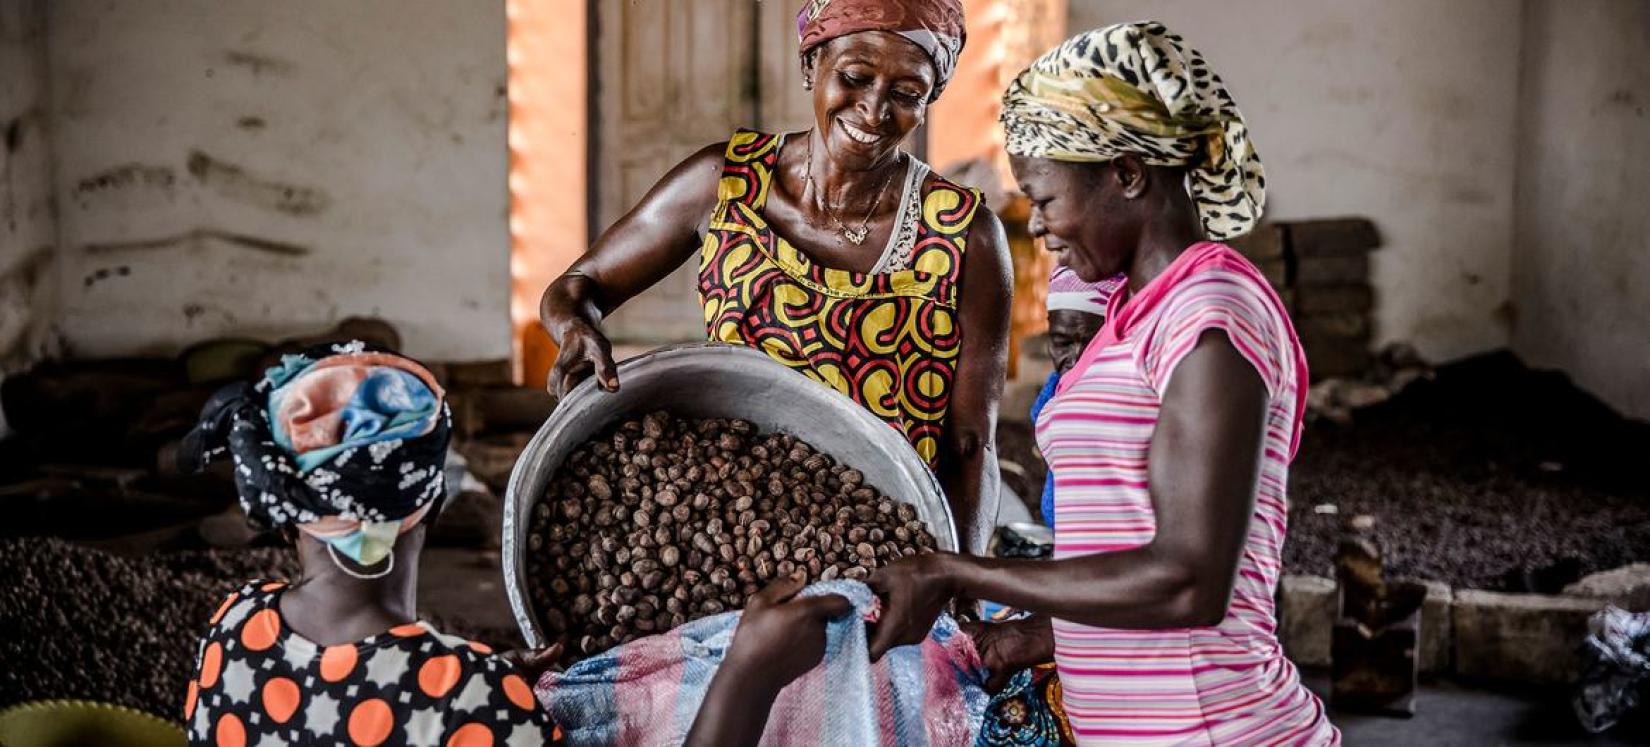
1449,714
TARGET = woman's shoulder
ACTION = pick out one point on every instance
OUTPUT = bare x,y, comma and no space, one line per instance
1220,289
950,207
934,181
746,145
243,601
1215,271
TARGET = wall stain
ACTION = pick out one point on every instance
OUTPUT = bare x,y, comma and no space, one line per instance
1331,33
14,135
259,63
1467,194
1443,102
235,183
192,312
29,264
129,175
251,123
104,273
1624,98
198,236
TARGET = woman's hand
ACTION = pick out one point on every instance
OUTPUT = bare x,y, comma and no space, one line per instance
1006,648
534,662
583,349
779,638
914,591
657,236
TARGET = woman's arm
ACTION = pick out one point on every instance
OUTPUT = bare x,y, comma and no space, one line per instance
968,453
644,246
1204,458
780,637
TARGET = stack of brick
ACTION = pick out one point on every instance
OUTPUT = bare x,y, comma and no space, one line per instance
1320,269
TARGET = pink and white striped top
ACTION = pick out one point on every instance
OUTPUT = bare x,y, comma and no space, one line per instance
1221,685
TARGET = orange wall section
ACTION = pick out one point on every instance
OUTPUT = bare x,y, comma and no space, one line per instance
964,119
1004,36
548,59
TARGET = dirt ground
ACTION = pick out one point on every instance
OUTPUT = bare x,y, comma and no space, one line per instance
1490,476
81,623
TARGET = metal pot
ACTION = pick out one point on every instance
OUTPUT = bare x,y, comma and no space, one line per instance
709,380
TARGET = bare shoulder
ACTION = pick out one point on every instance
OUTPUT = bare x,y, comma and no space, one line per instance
988,226
987,273
686,193
708,158
987,240
699,172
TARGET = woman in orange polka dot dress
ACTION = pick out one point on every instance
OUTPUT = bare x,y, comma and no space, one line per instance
261,682
345,446
341,448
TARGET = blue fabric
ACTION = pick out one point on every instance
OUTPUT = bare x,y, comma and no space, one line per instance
1043,397
389,405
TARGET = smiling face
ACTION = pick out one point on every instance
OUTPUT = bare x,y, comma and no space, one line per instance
1084,212
870,90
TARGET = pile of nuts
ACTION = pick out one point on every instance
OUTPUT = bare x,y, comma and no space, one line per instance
665,520
81,623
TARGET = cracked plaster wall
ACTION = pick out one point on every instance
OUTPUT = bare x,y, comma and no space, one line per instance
1401,111
1581,270
266,169
28,229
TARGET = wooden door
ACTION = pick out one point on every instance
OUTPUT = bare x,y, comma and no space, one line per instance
671,77
784,107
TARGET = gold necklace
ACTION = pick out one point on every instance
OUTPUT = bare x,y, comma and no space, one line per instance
856,236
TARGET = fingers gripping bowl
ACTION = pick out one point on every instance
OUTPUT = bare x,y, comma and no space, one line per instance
711,381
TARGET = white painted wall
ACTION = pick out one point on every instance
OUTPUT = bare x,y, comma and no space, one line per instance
28,231
1581,271
257,168
1403,111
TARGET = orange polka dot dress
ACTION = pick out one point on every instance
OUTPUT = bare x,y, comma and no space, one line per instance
258,683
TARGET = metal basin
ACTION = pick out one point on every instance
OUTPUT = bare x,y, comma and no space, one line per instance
707,380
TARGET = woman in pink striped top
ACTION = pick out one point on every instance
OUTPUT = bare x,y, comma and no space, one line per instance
1170,439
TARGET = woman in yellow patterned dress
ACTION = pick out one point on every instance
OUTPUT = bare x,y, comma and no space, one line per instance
833,250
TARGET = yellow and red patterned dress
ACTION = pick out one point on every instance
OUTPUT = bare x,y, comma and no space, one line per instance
888,340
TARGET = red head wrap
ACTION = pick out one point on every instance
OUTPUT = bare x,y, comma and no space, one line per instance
934,25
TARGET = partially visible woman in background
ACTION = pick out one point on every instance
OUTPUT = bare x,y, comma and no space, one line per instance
1170,438
1076,311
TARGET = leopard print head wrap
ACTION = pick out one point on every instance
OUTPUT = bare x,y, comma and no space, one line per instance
1138,88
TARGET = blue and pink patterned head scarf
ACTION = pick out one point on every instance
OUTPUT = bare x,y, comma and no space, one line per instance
345,442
